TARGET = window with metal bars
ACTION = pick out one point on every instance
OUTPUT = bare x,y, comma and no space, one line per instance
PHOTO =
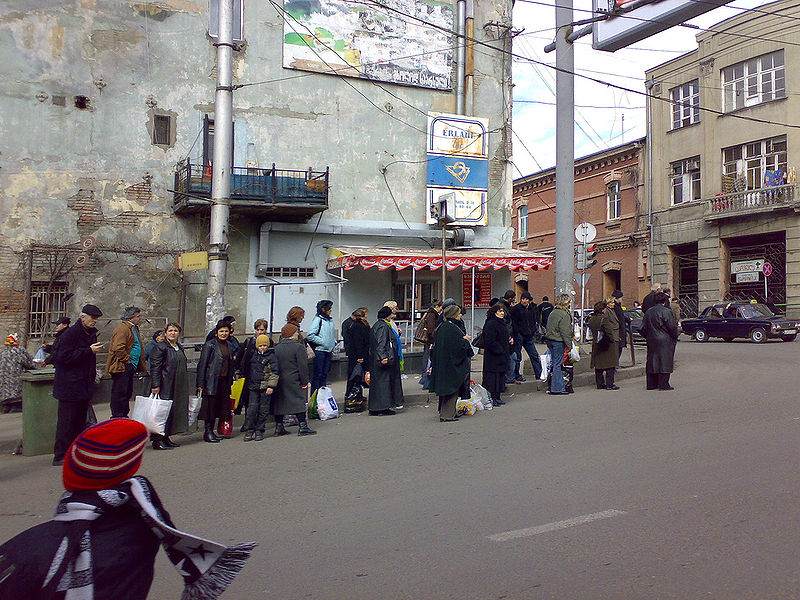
48,302
303,272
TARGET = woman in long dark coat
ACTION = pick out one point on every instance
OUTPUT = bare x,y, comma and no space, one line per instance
385,388
661,330
169,378
605,359
214,379
495,352
355,332
292,391
450,359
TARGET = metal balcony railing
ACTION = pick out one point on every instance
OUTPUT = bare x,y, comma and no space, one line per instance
270,186
751,202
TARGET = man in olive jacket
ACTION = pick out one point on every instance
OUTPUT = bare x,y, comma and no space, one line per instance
125,357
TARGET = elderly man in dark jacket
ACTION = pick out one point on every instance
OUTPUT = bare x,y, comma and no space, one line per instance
661,331
523,324
75,360
386,387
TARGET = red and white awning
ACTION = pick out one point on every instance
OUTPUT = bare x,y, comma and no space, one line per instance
350,257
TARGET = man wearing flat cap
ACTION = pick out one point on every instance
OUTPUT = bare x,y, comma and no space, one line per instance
75,360
125,357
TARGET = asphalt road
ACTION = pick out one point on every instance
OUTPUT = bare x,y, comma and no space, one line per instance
599,495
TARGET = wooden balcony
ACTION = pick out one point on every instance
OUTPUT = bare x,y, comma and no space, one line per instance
751,202
278,194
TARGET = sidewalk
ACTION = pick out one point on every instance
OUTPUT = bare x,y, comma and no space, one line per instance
11,424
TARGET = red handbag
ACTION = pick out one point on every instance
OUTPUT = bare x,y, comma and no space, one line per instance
225,426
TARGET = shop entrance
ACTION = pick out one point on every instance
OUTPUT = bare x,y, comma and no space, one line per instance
770,247
684,278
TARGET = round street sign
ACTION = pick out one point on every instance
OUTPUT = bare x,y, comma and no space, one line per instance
585,233
767,269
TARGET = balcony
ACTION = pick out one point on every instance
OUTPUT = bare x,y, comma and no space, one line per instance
279,194
750,202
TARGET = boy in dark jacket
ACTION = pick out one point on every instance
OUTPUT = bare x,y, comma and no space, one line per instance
262,376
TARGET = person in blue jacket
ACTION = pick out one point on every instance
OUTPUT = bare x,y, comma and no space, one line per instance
322,338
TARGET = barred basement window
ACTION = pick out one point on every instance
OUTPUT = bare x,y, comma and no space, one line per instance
48,302
302,272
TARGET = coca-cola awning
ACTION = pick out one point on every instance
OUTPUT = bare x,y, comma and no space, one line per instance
350,257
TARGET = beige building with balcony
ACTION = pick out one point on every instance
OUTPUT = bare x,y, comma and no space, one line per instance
724,141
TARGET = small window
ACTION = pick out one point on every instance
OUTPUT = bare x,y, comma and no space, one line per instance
296,272
685,104
162,128
614,200
685,176
48,302
522,223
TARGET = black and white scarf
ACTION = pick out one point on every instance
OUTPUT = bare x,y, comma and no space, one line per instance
207,567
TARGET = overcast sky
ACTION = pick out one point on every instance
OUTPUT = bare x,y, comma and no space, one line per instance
621,117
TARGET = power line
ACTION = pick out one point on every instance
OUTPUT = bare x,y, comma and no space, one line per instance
580,105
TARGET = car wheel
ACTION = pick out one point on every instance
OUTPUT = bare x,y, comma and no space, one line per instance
727,339
788,338
700,335
758,335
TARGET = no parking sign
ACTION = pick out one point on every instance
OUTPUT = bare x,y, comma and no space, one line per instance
767,269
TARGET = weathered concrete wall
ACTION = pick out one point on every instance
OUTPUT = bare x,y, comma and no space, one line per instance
83,81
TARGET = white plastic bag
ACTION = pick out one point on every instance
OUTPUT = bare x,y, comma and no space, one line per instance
152,412
195,402
544,359
575,353
39,356
480,393
326,405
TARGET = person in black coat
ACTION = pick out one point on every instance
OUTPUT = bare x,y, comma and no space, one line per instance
661,331
624,322
243,356
62,325
496,356
169,379
355,333
450,360
75,360
386,387
214,379
650,300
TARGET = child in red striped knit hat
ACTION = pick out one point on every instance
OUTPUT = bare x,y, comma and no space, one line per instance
103,540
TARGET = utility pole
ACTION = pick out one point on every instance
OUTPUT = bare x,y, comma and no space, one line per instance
565,148
221,168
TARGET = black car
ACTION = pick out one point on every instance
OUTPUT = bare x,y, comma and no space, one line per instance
740,320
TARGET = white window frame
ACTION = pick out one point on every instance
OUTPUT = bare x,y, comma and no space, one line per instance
753,81
522,222
614,200
685,104
685,179
752,159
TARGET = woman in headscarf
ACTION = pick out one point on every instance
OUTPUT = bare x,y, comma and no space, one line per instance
385,388
292,392
495,352
355,333
170,380
450,359
214,379
559,336
661,331
604,347
103,541
13,361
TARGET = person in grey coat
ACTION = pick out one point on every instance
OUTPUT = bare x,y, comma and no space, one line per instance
290,395
385,388
661,331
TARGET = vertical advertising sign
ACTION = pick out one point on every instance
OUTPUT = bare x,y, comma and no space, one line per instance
458,162
483,289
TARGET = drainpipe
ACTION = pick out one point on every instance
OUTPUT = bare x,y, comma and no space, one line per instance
470,59
650,83
460,56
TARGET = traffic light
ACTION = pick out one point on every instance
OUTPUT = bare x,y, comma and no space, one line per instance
589,255
580,257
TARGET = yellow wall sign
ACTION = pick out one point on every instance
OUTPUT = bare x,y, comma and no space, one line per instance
193,261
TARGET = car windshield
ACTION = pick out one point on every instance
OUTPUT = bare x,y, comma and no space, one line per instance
755,311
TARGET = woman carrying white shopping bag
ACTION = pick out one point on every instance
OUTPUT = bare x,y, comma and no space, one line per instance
170,380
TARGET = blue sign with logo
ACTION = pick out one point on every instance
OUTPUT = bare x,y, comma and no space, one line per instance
458,172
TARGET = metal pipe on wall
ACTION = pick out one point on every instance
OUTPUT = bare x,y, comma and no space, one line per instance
460,56
649,145
469,67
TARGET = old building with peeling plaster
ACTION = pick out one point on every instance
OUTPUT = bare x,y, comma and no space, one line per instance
106,103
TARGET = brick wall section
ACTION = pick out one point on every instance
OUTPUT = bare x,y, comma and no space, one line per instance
140,193
90,212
